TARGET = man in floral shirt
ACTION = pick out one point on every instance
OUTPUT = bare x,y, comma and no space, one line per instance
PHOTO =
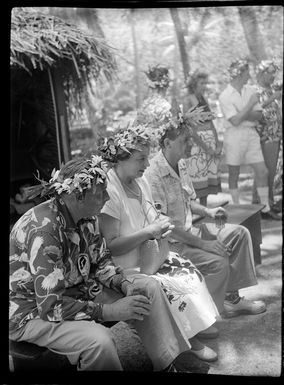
63,282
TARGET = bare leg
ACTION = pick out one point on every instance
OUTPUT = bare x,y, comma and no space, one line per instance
261,182
234,172
270,152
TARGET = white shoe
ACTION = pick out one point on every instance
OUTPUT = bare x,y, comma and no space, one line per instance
205,354
244,306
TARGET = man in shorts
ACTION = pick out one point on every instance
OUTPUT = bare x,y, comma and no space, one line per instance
241,109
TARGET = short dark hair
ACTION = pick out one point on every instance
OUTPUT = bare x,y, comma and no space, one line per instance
193,80
172,132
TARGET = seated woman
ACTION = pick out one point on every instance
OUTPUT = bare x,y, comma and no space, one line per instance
136,234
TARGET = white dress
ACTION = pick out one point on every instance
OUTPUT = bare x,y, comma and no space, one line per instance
193,307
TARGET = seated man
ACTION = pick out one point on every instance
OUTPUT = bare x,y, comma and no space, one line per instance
225,261
63,283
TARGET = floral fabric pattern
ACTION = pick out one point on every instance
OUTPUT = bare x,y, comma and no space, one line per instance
57,268
270,129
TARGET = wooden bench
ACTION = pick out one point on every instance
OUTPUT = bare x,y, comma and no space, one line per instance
247,216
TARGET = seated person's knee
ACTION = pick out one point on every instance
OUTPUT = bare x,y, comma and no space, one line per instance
152,286
100,338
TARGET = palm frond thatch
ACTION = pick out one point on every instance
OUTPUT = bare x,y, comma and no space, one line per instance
39,41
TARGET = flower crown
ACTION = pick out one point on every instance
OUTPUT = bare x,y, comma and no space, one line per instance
157,77
80,181
124,141
237,68
266,66
194,116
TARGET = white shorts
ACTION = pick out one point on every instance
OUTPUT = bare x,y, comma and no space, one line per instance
242,146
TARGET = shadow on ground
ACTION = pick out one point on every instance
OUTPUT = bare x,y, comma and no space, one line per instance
247,345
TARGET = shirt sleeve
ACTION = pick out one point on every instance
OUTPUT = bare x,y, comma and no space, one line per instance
47,270
103,269
227,107
157,189
112,206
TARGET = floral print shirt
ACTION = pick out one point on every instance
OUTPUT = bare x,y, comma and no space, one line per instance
270,129
172,192
57,268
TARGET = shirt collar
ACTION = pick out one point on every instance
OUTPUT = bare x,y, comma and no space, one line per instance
70,225
232,89
164,167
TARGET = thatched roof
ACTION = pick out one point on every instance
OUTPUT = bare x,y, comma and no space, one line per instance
40,41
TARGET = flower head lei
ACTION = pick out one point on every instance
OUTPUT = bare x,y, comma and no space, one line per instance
94,171
269,66
237,68
158,77
125,140
193,117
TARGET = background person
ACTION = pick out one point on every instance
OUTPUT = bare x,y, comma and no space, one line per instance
270,129
203,162
240,105
63,283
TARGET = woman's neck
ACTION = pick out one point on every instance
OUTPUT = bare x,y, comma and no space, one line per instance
122,177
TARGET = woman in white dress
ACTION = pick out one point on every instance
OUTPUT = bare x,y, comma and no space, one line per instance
136,234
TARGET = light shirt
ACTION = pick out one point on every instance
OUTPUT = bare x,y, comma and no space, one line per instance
232,102
173,192
132,215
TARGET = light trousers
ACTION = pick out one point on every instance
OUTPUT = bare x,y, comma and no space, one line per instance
91,346
222,274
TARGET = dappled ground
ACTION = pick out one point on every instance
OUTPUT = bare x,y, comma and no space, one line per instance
251,345
247,345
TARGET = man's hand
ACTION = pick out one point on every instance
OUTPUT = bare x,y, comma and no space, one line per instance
133,288
134,307
212,212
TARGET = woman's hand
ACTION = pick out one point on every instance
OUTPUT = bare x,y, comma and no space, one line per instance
134,307
218,149
160,228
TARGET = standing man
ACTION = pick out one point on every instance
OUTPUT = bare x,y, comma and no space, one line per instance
225,258
241,109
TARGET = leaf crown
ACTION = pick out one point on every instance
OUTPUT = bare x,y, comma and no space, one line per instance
269,66
237,67
125,141
193,117
158,77
95,171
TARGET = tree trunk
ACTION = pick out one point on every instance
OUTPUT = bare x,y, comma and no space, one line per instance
252,33
181,41
136,59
